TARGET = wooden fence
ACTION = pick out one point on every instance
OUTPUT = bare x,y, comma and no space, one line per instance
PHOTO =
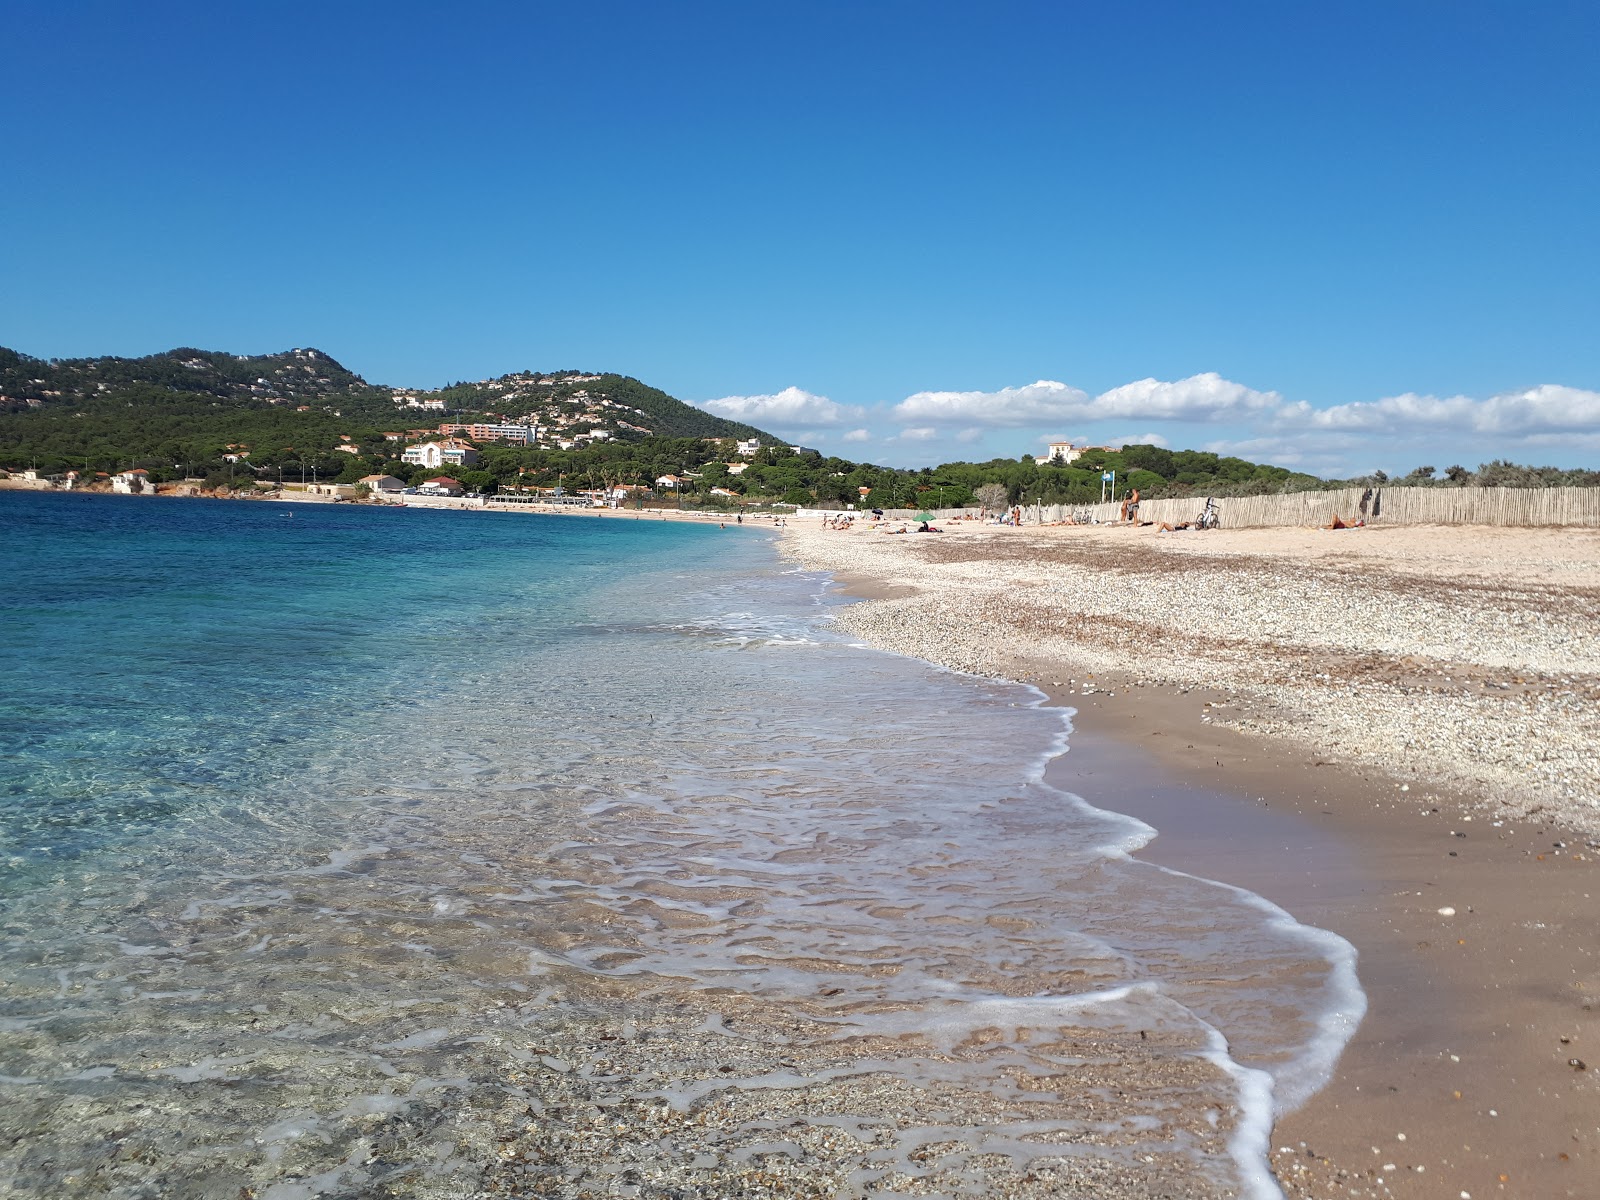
1384,506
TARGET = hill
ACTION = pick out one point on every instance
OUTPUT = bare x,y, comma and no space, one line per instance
183,409
241,421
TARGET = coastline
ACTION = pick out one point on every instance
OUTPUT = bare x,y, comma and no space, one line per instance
1458,1080
752,520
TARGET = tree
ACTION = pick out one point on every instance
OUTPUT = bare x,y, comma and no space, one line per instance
992,496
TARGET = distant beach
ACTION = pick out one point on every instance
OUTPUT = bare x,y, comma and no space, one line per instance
1390,731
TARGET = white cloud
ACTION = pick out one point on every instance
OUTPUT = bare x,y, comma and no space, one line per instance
1548,408
1205,397
920,434
1038,403
1209,398
856,435
971,434
791,407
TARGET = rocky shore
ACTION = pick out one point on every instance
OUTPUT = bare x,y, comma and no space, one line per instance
1389,731
1467,658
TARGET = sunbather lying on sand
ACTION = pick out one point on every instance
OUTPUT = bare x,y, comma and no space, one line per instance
1339,522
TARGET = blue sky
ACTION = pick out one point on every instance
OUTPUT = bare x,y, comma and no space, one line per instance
1337,237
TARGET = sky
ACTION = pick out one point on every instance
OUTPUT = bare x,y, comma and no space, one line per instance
1335,237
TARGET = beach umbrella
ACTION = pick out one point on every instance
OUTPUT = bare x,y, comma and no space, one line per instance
923,516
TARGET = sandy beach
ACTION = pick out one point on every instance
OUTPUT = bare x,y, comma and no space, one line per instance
1390,732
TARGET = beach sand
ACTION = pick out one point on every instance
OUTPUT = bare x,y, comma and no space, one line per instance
1391,733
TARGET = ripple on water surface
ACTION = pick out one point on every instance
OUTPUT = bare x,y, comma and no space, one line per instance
624,872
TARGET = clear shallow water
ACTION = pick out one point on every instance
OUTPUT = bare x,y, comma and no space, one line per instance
313,824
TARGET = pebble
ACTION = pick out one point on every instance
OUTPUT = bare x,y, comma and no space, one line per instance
1279,635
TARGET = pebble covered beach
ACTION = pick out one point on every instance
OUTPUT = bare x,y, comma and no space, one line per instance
1466,657
1389,731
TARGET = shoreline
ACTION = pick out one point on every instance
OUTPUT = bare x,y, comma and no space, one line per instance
1458,1079
457,504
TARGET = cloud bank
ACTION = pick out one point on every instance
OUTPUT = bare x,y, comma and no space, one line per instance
1206,397
793,408
1251,422
1209,398
1548,408
1040,402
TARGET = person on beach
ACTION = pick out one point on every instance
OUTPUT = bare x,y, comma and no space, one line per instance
1339,522
1130,506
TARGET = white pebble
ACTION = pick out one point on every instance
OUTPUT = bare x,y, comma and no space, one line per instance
1447,911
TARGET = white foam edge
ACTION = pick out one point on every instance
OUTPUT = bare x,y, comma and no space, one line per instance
1335,1025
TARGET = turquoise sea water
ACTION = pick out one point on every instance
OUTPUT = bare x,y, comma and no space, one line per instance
315,816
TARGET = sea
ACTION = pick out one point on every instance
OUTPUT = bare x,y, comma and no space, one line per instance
361,851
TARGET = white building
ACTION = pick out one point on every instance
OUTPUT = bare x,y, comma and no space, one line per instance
131,483
384,486
438,454
1060,453
748,449
443,485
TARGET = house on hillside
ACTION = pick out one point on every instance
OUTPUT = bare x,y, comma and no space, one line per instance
132,483
1060,454
722,491
449,452
668,481
748,449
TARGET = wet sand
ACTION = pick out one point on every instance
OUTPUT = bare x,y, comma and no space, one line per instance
1467,1014
1461,1080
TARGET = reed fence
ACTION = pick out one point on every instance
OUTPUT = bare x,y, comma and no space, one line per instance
1383,506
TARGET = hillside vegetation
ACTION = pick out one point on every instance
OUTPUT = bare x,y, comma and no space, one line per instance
301,414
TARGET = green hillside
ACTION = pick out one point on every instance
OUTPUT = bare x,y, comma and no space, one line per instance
181,410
